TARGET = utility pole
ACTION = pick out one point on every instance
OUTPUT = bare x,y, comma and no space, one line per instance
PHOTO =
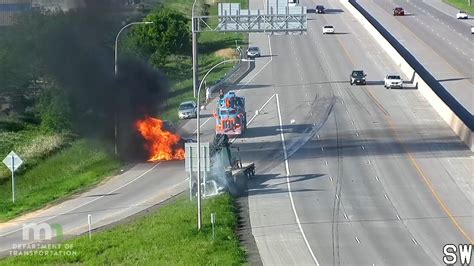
195,26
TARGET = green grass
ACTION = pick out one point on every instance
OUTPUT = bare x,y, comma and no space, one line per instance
179,69
76,167
462,5
165,237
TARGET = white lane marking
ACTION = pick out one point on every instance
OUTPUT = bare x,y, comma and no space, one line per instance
86,203
259,110
377,178
255,115
330,178
414,241
363,147
369,161
385,195
287,167
322,148
326,162
202,124
357,133
247,82
357,239
398,217
317,136
263,67
337,197
345,216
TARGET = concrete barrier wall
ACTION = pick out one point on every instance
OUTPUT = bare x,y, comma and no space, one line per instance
456,116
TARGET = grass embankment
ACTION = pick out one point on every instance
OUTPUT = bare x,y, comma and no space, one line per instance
165,237
462,5
56,165
213,47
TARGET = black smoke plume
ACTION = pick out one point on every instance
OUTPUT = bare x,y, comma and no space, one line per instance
80,56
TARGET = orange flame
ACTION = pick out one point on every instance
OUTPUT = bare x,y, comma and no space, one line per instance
161,143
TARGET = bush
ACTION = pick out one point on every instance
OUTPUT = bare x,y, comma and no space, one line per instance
54,111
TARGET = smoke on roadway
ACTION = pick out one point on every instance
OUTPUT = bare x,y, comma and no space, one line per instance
81,61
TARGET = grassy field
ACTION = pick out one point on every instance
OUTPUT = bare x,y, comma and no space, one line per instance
74,168
462,5
212,48
57,165
165,237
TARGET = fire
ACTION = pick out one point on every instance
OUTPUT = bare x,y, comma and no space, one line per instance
161,143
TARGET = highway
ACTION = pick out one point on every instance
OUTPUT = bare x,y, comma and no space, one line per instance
440,42
345,174
362,175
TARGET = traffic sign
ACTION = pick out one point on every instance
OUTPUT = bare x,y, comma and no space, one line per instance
12,161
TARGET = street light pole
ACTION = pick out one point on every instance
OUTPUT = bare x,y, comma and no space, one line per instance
194,49
116,71
198,137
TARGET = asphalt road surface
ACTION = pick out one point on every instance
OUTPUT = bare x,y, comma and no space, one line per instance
345,174
362,175
443,44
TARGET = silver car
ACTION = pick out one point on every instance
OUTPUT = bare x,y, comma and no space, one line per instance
187,110
253,52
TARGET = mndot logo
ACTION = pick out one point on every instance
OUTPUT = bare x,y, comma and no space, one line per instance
42,231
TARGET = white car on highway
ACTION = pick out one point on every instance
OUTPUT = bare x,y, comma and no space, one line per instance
461,15
393,81
328,29
187,110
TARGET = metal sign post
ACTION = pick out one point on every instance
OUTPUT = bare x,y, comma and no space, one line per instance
13,177
13,162
197,160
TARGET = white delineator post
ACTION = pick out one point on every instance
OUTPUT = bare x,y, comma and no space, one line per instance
89,222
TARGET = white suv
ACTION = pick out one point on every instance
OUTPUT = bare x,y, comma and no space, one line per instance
393,81
328,29
461,15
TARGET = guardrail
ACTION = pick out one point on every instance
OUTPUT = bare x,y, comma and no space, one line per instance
233,76
453,113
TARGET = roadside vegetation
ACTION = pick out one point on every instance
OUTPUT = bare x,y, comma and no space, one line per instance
40,119
175,60
59,123
165,237
76,167
462,5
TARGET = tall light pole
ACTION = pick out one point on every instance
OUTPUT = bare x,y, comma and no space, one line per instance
115,73
198,137
194,25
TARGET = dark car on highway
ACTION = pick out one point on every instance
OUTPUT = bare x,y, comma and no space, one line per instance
358,77
398,11
319,9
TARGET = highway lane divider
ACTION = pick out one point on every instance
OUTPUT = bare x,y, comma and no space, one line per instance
451,111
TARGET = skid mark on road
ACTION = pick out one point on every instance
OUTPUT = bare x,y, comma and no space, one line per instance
287,167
